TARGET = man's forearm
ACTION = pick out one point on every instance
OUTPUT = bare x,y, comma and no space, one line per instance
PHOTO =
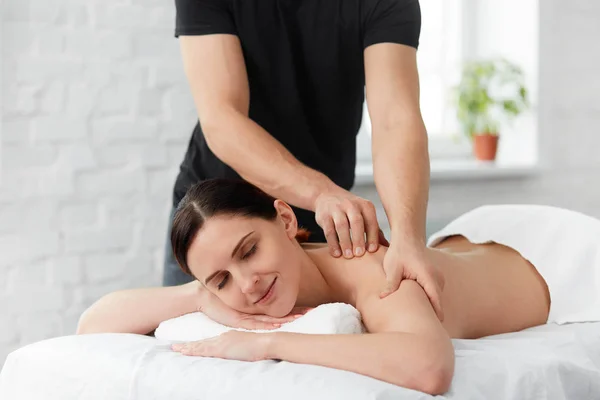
401,170
261,160
402,359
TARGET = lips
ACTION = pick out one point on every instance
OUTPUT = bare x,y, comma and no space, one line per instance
267,292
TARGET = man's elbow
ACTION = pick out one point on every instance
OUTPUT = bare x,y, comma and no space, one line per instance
217,124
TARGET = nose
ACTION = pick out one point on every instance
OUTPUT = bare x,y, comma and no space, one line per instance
249,283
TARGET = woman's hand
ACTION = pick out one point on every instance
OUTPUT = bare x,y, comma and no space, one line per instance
232,345
340,212
218,311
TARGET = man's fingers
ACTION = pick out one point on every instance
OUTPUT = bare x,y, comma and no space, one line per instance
331,237
382,240
433,293
371,227
390,287
357,225
393,280
342,227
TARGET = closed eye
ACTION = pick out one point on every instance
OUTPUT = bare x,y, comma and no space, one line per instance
247,255
250,252
223,282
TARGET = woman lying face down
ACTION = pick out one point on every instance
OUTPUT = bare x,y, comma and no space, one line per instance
245,248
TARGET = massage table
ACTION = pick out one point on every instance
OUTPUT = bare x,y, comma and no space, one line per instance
545,362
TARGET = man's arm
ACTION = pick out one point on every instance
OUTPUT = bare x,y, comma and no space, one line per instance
400,149
216,71
215,68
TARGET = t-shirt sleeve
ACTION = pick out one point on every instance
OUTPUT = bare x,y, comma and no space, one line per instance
395,21
203,17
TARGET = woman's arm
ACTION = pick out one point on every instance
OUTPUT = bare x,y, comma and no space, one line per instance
140,310
408,346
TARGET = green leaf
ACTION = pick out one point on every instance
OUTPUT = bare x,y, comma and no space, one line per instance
475,104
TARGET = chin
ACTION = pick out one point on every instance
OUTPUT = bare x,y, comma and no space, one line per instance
283,304
281,308
286,295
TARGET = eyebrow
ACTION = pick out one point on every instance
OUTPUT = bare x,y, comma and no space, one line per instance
235,249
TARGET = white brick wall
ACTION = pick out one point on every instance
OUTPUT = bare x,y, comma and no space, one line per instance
96,115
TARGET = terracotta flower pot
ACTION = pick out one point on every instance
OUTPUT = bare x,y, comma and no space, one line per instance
485,146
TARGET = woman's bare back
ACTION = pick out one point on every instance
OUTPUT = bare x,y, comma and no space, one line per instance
489,288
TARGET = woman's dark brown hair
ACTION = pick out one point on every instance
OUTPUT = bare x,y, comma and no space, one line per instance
214,197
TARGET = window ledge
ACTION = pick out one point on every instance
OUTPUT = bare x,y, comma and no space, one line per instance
460,169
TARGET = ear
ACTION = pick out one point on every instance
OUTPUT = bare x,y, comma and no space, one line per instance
287,216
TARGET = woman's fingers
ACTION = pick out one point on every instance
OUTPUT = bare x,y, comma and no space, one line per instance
276,320
267,322
255,324
301,310
189,349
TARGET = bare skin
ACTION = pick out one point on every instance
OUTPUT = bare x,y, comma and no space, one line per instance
490,288
256,266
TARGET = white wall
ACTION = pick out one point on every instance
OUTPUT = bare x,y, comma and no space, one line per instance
568,114
96,117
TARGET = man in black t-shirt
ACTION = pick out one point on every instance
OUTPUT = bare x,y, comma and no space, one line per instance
279,87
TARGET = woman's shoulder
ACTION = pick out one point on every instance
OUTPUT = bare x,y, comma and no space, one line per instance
355,276
312,246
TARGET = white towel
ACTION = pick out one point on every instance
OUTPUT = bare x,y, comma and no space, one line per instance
332,318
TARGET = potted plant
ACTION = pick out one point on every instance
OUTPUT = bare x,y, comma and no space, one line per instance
489,92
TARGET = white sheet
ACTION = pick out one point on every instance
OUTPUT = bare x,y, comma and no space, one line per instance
549,362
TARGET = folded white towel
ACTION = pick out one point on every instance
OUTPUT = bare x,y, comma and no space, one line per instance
332,318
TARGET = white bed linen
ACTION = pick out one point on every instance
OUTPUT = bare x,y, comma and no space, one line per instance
546,362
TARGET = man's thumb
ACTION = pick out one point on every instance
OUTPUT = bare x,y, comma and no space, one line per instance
389,288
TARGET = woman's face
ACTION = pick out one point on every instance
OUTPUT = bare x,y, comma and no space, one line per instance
251,264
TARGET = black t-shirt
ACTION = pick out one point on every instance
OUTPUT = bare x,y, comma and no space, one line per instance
305,67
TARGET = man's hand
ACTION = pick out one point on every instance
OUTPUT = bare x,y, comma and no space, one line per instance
218,311
340,212
406,260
